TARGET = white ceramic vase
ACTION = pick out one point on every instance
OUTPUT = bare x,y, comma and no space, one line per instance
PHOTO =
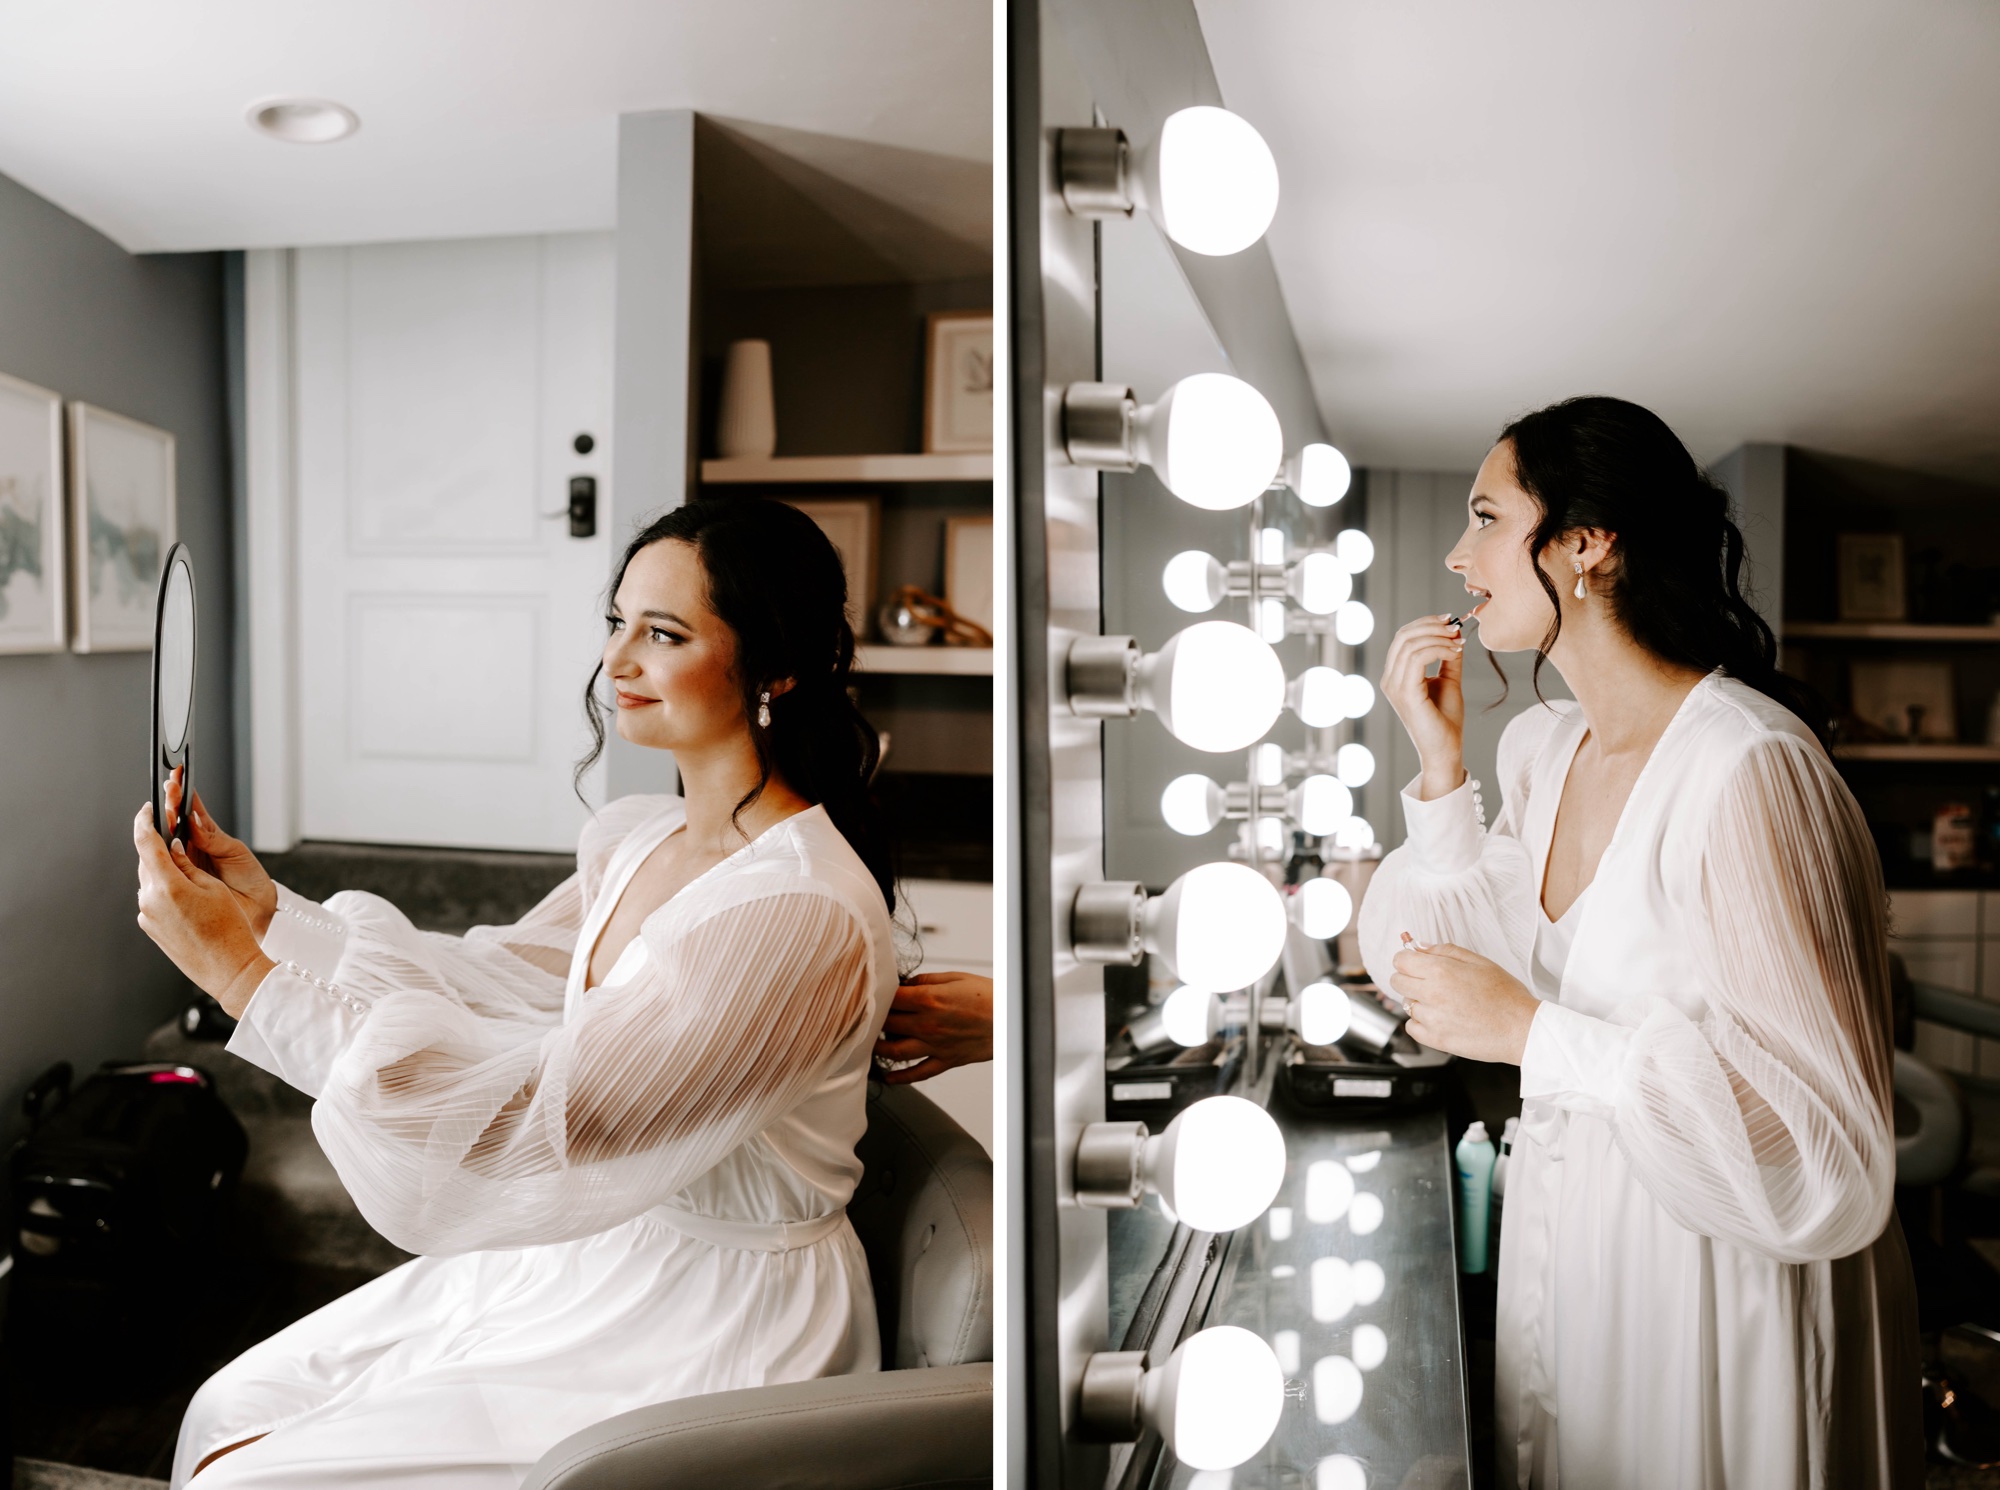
747,419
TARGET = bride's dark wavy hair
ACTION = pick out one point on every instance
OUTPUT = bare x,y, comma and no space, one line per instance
1676,556
775,580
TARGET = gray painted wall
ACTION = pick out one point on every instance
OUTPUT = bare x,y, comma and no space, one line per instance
651,458
1754,477
143,337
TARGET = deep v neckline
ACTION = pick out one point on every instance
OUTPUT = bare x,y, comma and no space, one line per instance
624,868
1548,836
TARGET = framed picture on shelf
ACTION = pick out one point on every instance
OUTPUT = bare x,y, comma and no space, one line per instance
32,574
1871,577
958,382
1905,700
852,524
968,568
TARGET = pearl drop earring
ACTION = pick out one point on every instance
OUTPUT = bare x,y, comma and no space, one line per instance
764,709
1581,592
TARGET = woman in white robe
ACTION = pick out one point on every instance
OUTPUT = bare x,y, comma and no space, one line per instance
1675,927
620,1132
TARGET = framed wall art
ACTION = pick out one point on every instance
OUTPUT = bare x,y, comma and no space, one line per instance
968,568
121,498
32,576
851,523
1871,577
958,382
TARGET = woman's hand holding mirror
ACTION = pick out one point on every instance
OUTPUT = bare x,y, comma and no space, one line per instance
228,859
196,919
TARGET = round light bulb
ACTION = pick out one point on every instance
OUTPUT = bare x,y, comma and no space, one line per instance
1353,623
1270,545
1271,835
1219,1164
1355,549
1371,1346
1332,1289
1195,581
1192,804
1364,1215
1271,620
1267,763
1329,1188
1321,804
1336,1389
1323,1014
1213,184
1316,697
1357,696
1354,764
1221,926
1217,1399
1187,1015
1340,1472
1325,908
1369,1281
1216,686
1321,583
1356,832
1213,440
1324,476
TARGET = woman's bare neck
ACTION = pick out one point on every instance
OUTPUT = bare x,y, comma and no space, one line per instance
1628,696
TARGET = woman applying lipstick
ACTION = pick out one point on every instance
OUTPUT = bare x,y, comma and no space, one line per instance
620,1133
1675,927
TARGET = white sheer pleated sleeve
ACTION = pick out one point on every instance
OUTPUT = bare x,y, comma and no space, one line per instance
1765,1122
455,1132
300,1018
1455,880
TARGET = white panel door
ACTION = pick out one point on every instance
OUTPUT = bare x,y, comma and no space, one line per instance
447,621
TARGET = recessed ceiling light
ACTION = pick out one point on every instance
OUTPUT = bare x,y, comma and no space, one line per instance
303,121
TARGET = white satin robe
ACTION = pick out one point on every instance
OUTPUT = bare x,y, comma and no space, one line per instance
1702,1283
622,1195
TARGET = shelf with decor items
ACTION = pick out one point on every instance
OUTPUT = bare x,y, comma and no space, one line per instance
1887,631
824,322
1891,606
829,470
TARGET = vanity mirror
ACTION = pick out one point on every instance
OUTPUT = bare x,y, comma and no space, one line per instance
173,687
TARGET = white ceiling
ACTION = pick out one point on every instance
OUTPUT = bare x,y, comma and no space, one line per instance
477,116
1765,219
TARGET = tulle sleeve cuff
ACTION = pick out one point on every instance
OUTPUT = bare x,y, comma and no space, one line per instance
305,932
1574,1060
296,1025
1445,832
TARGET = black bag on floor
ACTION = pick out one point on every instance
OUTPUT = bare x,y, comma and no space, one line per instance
120,1181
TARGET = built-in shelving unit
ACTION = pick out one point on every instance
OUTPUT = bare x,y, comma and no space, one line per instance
824,469
1886,631
970,662
1918,751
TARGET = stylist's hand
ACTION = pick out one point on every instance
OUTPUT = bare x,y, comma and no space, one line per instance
196,920
945,1018
1463,1004
228,859
1432,709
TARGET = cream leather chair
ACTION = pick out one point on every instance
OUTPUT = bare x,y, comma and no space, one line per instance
924,1213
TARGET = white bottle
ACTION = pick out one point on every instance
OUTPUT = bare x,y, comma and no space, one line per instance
1500,1179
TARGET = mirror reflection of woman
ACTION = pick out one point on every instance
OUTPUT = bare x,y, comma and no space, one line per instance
620,1133
1675,927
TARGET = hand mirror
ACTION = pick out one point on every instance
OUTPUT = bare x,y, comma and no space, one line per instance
173,687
